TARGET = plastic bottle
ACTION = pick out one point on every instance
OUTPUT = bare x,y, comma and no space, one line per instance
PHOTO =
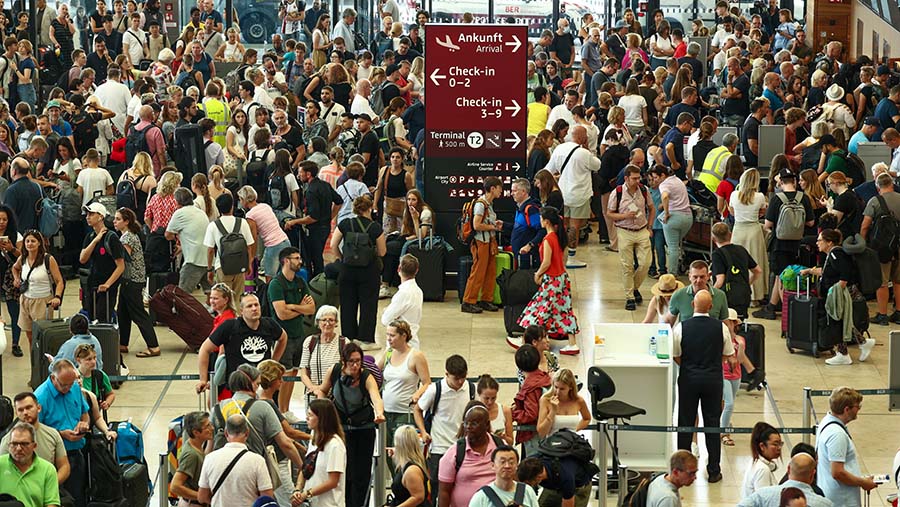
599,346
662,350
653,351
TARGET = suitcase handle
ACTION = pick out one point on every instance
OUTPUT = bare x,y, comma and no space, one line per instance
108,309
430,236
50,311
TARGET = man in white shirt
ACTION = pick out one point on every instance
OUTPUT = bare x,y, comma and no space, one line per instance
564,110
574,162
114,96
331,113
134,41
505,490
260,95
248,478
344,29
93,178
891,137
722,34
189,224
360,104
407,301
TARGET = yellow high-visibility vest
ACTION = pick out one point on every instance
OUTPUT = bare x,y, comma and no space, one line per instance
713,170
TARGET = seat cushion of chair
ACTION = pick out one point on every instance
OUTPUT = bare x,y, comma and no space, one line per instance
615,409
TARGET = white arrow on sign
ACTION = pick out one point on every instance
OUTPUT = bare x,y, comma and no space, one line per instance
516,165
435,76
515,108
516,45
515,140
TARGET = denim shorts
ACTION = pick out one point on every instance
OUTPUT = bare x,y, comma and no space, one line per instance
270,258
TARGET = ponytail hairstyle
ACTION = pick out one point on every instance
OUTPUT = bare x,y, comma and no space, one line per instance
200,183
217,176
486,382
760,435
551,214
707,129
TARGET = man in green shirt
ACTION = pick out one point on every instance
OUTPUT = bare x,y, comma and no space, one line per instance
290,301
49,444
24,475
681,304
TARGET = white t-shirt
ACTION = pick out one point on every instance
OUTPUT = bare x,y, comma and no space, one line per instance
349,190
332,114
214,236
361,105
92,180
133,109
634,106
759,476
70,168
747,212
135,41
720,37
447,415
242,486
332,458
190,223
293,186
115,96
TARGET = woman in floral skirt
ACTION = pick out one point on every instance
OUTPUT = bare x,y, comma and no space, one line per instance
551,306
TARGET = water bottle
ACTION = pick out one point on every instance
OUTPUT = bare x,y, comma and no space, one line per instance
653,346
662,351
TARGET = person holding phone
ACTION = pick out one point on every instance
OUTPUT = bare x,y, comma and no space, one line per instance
10,249
62,32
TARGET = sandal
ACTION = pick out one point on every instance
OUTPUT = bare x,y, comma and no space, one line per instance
151,353
123,349
726,440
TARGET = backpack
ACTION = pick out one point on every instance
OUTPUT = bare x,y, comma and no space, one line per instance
619,190
186,80
136,142
356,412
461,456
465,227
429,414
855,168
157,252
884,237
127,194
791,219
50,219
233,80
84,131
70,202
279,195
358,249
348,140
129,443
377,99
256,170
565,443
233,253
737,281
7,414
638,496
255,442
106,474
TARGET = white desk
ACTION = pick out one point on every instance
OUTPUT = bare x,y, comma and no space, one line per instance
641,380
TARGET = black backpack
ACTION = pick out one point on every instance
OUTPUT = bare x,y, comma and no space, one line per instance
135,143
518,497
157,253
429,414
105,473
565,443
84,131
884,237
358,414
128,195
233,255
279,196
7,414
638,496
737,281
256,171
461,449
856,168
358,249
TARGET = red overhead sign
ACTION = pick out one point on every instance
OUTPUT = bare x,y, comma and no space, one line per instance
476,114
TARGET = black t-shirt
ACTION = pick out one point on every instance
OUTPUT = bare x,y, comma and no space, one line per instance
739,256
781,245
388,93
838,266
290,141
408,57
848,204
677,109
741,106
369,144
700,151
696,65
563,45
103,258
617,47
750,131
317,201
245,345
350,225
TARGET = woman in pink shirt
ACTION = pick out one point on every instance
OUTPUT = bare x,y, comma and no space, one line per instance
459,484
162,205
331,172
264,225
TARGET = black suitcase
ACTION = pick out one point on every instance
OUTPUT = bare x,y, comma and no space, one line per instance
755,343
462,276
809,328
107,334
517,287
136,484
48,336
188,152
431,256
511,313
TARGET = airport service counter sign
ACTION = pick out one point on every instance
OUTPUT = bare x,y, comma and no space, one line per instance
475,115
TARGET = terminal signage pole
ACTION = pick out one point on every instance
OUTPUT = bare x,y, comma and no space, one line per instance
476,115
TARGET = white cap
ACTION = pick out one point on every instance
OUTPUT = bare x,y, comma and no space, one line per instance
95,207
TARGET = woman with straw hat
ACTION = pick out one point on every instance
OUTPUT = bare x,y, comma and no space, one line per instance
662,291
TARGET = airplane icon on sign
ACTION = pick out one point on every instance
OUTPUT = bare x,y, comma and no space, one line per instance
447,43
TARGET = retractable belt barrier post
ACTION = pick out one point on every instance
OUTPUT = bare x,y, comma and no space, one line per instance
809,410
162,480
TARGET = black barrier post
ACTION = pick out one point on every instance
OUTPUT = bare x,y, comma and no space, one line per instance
600,445
807,402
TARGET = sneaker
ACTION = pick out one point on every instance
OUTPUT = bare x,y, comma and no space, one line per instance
839,359
573,263
895,317
291,418
488,306
470,308
865,348
654,275
515,341
881,319
123,370
630,305
766,312
757,377
17,351
384,292
695,449
604,241
638,298
570,350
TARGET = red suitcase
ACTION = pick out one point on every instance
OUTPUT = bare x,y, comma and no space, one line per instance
183,314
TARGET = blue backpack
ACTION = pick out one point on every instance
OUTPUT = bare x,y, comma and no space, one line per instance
50,220
129,443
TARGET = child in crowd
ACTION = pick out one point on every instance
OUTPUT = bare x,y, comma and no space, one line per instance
537,336
526,405
93,379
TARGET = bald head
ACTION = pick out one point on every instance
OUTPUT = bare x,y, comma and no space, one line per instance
146,113
802,468
702,301
579,134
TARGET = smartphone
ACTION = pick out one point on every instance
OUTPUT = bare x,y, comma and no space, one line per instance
881,479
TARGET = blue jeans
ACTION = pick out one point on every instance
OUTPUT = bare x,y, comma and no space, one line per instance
658,242
13,307
729,393
675,229
27,94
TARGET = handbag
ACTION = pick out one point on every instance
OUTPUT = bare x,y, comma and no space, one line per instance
23,287
309,464
394,206
271,459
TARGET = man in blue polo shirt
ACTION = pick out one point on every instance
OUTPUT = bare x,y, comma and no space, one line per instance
65,410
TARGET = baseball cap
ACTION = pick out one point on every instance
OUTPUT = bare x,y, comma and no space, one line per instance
567,82
872,121
826,139
53,103
787,174
733,315
95,207
621,24
391,69
883,70
363,116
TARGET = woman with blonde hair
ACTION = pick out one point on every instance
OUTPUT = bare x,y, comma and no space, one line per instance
216,182
377,77
616,118
417,75
562,406
812,187
141,175
747,204
162,205
331,172
232,50
411,481
633,42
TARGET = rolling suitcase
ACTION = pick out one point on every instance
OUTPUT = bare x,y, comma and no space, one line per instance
511,314
183,314
755,346
809,329
517,287
48,335
504,263
462,276
136,484
431,256
108,336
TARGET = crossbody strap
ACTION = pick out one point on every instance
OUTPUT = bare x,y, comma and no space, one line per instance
227,471
566,161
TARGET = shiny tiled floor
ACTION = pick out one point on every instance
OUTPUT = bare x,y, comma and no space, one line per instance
598,298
